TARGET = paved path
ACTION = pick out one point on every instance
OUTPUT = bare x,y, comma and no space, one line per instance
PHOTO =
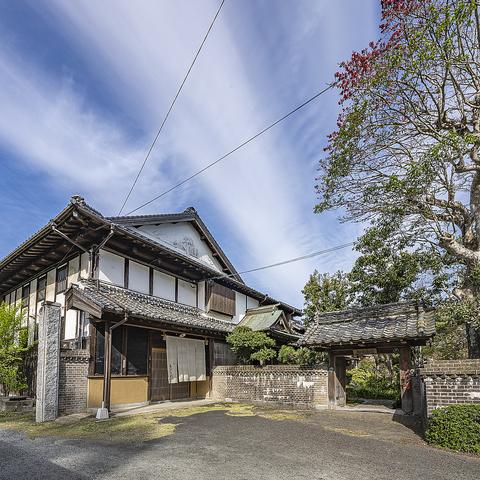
213,445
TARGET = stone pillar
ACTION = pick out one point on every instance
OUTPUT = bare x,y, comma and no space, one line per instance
406,380
48,362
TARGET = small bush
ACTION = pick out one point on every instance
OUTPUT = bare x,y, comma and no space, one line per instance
370,379
287,355
245,343
456,427
264,355
300,356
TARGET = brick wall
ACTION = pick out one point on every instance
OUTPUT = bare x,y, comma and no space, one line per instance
284,385
448,382
72,392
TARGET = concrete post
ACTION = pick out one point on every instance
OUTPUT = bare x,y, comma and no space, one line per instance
48,368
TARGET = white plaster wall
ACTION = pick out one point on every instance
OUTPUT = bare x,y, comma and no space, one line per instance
33,297
31,305
111,268
163,285
187,293
18,296
138,277
73,270
84,265
60,298
201,295
252,303
70,324
240,306
183,237
50,294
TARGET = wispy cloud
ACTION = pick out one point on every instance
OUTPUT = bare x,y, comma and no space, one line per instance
262,59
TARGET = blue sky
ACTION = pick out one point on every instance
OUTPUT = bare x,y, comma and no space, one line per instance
84,86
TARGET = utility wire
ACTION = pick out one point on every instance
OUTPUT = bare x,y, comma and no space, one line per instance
170,109
284,262
261,132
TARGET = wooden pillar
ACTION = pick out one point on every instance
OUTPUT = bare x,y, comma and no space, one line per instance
405,380
107,367
331,381
341,377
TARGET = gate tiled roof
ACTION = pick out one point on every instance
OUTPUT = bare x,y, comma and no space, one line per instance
394,321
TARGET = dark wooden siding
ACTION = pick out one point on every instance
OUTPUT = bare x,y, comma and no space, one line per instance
220,299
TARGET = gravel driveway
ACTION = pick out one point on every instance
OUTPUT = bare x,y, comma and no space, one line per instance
212,445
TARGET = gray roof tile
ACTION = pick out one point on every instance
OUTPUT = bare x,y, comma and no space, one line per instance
395,321
118,300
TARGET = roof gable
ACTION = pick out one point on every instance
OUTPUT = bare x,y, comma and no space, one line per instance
198,243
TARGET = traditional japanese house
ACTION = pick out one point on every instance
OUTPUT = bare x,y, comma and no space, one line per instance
150,298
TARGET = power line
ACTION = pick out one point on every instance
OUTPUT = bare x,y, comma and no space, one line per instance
261,132
171,107
291,260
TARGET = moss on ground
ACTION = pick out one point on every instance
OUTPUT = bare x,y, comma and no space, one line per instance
135,428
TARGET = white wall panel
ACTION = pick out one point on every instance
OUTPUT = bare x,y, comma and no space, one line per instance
252,303
183,237
240,306
138,277
70,324
73,270
187,293
201,295
163,285
84,265
51,278
111,268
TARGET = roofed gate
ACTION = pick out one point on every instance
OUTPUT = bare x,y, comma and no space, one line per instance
391,328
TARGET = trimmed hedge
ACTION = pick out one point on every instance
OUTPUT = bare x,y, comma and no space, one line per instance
456,427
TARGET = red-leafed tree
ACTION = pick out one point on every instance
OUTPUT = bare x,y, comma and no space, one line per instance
406,151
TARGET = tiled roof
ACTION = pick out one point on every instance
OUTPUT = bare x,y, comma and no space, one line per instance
119,300
395,321
261,318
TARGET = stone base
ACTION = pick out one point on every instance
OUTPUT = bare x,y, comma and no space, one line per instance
102,414
9,405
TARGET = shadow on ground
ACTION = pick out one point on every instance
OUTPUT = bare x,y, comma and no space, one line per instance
242,444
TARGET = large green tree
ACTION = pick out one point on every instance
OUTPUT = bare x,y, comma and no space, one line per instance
388,272
406,151
325,293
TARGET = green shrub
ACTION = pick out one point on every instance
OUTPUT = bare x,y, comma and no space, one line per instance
12,347
287,355
307,356
370,381
245,343
263,355
300,356
456,427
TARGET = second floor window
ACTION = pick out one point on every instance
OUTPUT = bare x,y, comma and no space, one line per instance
62,279
41,288
26,295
